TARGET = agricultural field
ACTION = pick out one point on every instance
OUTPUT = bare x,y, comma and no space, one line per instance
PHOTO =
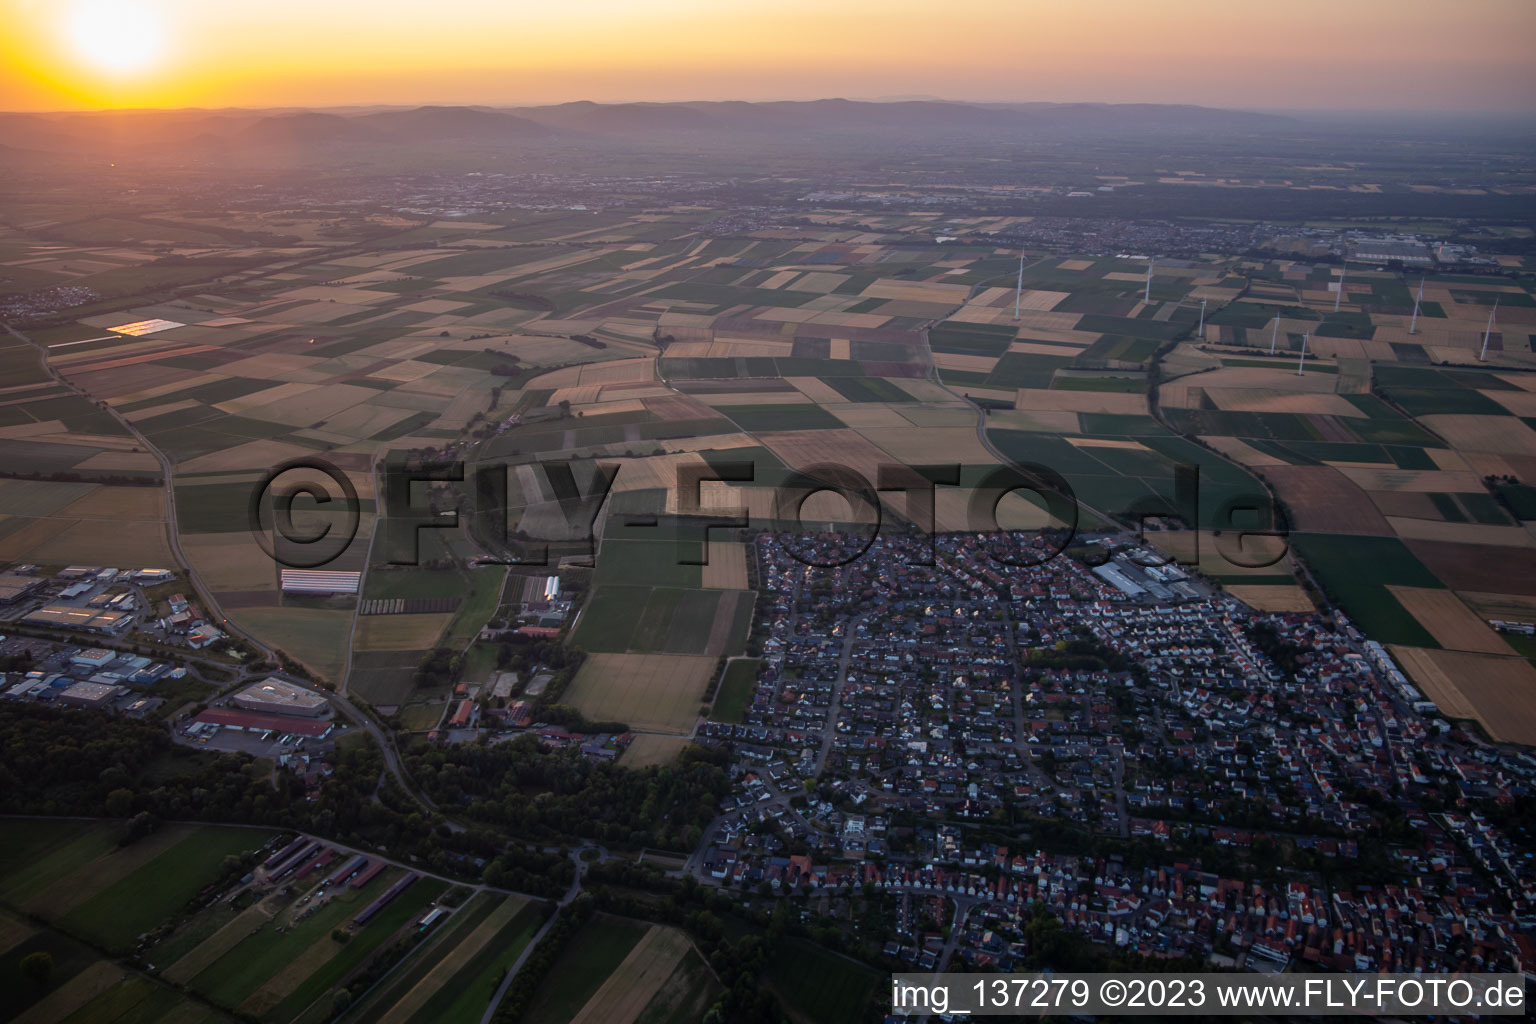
453,962
623,971
1307,402
87,899
818,988
653,693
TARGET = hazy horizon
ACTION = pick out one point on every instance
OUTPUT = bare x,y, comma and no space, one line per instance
1373,55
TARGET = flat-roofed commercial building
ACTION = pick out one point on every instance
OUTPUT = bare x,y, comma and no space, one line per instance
14,587
275,697
252,721
91,620
91,695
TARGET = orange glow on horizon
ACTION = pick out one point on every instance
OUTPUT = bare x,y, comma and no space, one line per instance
1403,54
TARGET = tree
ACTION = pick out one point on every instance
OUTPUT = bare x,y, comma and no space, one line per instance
120,803
37,967
341,1000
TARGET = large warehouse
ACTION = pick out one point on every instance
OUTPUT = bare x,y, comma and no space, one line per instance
275,697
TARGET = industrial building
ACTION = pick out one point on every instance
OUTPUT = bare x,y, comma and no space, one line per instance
15,587
91,695
90,620
251,721
275,697
93,658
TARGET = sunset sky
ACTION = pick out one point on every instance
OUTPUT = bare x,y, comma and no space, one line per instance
1299,54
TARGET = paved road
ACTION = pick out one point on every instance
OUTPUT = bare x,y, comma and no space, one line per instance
173,535
538,937
844,661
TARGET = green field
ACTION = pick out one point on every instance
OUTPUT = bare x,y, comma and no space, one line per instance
466,995
116,916
425,957
735,693
820,986
652,563
400,913
1356,571
757,418
582,967
621,618
246,968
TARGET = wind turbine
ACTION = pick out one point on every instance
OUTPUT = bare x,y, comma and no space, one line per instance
1303,360
1488,332
1018,293
1147,299
1413,326
1202,319
1340,297
1274,333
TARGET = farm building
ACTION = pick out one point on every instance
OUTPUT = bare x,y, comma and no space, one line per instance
316,581
463,715
251,721
275,697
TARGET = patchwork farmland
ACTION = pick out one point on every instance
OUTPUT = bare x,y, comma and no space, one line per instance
781,356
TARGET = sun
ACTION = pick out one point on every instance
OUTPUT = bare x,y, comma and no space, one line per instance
116,36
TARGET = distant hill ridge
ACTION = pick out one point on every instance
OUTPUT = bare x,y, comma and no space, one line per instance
233,131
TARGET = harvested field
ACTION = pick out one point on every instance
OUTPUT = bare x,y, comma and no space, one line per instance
626,992
647,749
917,446
1462,533
870,414
1276,598
1046,400
117,503
1273,400
1322,499
965,364
1504,435
727,568
111,462
1521,403
818,391
1241,451
72,541
651,692
1500,693
917,291
400,632
230,561
800,449
1449,621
